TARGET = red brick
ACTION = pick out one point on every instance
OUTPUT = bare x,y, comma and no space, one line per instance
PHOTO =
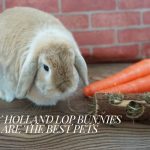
75,21
87,5
134,35
85,52
118,53
146,18
94,37
146,50
131,4
46,5
115,19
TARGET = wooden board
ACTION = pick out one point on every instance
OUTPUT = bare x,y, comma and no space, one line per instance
127,135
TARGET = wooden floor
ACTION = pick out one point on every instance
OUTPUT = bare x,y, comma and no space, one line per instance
126,136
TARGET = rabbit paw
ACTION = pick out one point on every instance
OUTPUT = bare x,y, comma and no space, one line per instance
6,97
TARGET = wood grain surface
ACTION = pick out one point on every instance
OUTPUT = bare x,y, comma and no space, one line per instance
125,136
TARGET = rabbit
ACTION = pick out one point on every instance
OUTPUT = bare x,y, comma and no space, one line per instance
39,58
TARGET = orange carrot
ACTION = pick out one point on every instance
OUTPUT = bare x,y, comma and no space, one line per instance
132,72
139,85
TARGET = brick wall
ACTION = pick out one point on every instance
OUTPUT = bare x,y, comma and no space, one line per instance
106,30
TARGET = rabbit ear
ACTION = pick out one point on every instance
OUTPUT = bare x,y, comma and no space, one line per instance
26,77
81,67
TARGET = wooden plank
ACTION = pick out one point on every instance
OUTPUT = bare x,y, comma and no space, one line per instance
123,136
107,138
125,105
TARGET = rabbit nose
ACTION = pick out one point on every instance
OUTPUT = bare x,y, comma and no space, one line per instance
63,86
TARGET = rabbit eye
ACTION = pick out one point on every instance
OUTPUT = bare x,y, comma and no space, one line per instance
46,68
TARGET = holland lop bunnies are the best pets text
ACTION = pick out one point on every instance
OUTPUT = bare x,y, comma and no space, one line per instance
39,58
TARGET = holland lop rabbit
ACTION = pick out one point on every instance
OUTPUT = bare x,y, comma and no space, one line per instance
39,58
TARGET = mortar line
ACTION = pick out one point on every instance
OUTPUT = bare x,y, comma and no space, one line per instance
3,5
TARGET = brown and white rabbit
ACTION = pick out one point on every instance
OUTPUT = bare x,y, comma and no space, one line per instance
39,58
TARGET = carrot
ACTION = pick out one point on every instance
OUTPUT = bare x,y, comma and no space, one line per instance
139,85
132,72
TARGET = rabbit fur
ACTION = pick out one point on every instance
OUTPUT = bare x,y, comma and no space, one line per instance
39,58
